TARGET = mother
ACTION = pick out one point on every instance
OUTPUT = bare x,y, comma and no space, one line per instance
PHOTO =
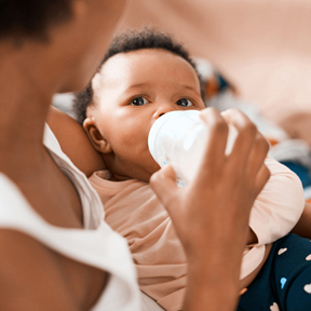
56,252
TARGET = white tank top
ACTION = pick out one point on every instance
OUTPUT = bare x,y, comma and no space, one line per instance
97,245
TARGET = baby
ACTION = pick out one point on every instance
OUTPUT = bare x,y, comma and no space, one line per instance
143,76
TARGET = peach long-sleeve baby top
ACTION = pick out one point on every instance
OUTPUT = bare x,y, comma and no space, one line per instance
133,210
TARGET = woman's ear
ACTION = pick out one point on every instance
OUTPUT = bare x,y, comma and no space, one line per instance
96,138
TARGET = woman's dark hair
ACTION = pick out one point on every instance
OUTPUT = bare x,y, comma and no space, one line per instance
126,42
31,18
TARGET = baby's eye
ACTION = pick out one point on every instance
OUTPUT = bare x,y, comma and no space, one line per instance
139,101
184,102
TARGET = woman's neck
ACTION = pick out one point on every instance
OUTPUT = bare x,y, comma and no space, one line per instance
24,107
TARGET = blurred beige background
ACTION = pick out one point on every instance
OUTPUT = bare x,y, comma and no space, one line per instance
263,46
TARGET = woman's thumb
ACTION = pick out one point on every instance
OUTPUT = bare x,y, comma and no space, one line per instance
163,183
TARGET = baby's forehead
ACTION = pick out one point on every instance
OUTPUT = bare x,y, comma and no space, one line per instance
140,63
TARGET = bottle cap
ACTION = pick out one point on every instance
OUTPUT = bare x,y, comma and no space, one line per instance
184,119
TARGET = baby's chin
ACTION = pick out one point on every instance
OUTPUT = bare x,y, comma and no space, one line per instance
139,175
120,177
145,176
142,170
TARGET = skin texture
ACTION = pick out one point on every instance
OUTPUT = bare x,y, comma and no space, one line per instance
303,227
246,165
163,82
157,80
74,142
29,77
26,92
214,284
134,89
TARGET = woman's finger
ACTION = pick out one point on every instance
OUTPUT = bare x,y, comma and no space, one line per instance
214,153
163,183
257,155
261,179
245,138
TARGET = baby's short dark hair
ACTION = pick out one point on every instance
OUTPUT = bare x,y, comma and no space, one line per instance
132,41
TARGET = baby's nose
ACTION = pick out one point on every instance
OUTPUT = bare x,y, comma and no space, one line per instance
163,108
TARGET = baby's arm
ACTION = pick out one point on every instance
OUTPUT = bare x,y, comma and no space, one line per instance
74,142
303,227
279,205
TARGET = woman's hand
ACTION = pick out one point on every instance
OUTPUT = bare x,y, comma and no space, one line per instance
211,213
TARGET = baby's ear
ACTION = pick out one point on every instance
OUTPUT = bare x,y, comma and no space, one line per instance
96,138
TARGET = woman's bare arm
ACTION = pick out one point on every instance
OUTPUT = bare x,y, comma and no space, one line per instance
29,274
74,142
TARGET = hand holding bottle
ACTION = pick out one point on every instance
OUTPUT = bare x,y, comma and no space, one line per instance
211,214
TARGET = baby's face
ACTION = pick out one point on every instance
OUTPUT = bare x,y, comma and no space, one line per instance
131,92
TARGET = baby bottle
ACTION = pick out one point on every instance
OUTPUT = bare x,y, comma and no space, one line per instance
178,138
